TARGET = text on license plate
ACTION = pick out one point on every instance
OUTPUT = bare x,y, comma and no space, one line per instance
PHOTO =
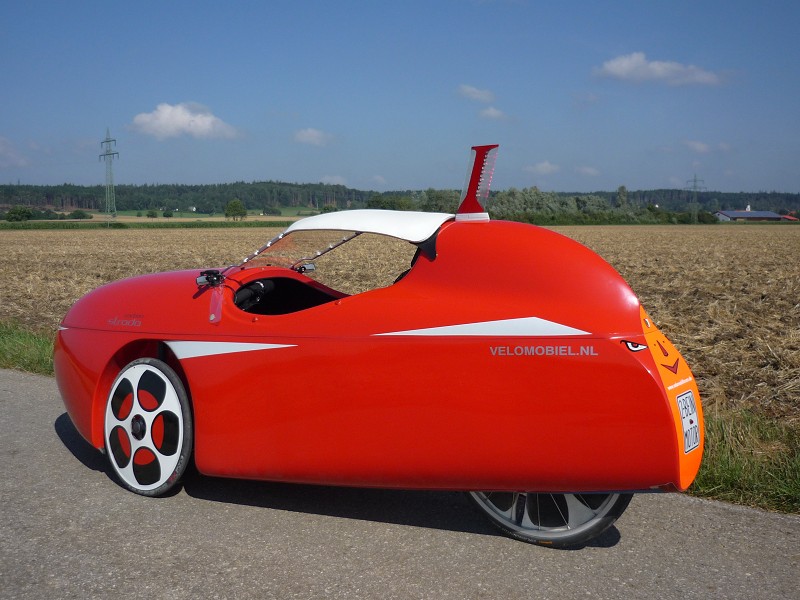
691,426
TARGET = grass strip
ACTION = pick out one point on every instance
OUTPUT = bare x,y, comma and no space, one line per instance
751,460
25,350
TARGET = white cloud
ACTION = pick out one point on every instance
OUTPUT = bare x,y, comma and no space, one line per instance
542,168
589,171
312,136
699,147
635,67
474,93
724,147
378,180
490,112
10,158
334,180
186,118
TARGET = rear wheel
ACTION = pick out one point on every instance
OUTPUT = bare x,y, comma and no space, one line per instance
148,427
558,520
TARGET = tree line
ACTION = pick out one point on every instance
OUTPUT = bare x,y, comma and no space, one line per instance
206,199
528,204
531,205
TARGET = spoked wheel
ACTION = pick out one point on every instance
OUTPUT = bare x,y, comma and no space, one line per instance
558,520
148,427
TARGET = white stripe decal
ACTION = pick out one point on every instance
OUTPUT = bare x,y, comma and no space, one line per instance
524,327
196,349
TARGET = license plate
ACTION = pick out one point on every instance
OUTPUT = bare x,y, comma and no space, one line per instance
691,426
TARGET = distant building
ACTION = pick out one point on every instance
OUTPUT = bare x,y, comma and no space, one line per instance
747,215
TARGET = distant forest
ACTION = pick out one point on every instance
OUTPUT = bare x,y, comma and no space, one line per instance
208,199
529,204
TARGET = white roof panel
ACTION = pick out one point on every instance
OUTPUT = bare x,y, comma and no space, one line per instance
412,226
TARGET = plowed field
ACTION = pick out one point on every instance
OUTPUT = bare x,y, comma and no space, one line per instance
727,296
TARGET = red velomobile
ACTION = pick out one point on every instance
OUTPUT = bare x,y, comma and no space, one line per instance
501,359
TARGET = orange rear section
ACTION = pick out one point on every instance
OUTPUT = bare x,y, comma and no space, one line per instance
683,397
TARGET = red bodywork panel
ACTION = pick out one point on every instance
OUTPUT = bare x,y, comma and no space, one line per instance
504,363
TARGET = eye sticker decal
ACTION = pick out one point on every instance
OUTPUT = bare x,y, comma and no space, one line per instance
633,346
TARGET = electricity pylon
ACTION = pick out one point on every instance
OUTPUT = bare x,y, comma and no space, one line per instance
108,155
694,188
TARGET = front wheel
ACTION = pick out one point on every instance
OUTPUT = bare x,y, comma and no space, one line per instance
558,520
148,427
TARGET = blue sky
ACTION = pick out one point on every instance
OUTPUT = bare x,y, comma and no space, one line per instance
580,96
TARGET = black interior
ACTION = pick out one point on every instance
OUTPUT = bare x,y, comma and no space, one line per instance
279,296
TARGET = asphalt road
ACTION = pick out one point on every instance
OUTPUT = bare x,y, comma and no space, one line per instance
68,531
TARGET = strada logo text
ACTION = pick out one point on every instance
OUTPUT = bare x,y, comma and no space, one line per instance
543,351
126,321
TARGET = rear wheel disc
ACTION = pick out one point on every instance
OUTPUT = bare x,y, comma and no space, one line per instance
551,519
148,427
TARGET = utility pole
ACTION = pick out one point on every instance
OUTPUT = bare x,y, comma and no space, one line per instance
108,155
694,188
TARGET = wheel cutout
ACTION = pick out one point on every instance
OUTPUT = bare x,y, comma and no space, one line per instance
166,433
146,469
122,400
120,447
157,431
151,391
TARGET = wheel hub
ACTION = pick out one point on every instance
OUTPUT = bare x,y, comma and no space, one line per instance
138,427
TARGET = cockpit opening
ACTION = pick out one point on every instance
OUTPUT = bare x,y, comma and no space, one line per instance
280,296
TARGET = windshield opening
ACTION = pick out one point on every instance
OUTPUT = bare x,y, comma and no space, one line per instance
348,261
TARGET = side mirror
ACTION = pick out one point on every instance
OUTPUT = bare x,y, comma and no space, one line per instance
306,267
211,277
